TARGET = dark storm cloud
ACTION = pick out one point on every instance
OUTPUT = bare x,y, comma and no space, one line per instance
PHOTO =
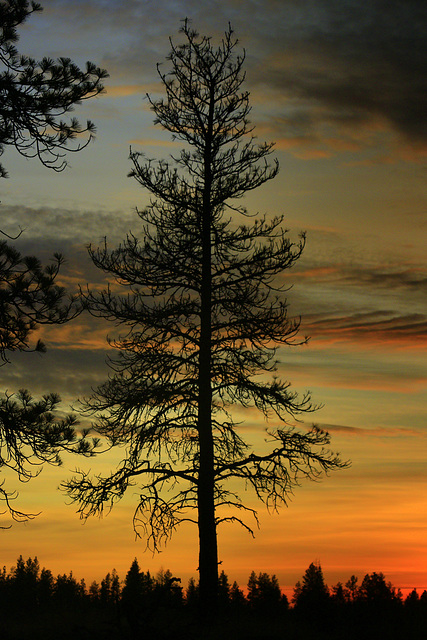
356,61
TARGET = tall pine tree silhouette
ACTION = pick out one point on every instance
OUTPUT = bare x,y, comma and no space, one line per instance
203,313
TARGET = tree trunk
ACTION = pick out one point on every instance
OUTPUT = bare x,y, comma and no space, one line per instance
208,554
208,550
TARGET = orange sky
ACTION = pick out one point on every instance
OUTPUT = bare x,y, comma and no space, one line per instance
352,159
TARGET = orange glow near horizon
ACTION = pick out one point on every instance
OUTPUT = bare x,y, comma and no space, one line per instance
352,523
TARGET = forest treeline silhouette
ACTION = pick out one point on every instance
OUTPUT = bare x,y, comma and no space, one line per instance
142,606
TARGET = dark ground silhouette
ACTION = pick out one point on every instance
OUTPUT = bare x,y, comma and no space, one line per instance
35,604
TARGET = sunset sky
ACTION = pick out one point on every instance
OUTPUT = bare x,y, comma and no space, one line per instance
340,86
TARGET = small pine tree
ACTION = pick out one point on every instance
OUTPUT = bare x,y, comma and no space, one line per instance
263,591
312,594
94,592
192,594
223,590
351,589
237,597
374,588
45,587
115,587
252,588
105,590
412,599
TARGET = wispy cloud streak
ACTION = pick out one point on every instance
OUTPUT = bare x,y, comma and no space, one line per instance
371,326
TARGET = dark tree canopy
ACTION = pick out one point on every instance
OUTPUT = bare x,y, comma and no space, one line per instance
30,436
29,297
35,95
30,433
34,98
202,314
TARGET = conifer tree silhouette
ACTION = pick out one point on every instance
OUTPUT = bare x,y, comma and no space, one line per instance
35,96
203,312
